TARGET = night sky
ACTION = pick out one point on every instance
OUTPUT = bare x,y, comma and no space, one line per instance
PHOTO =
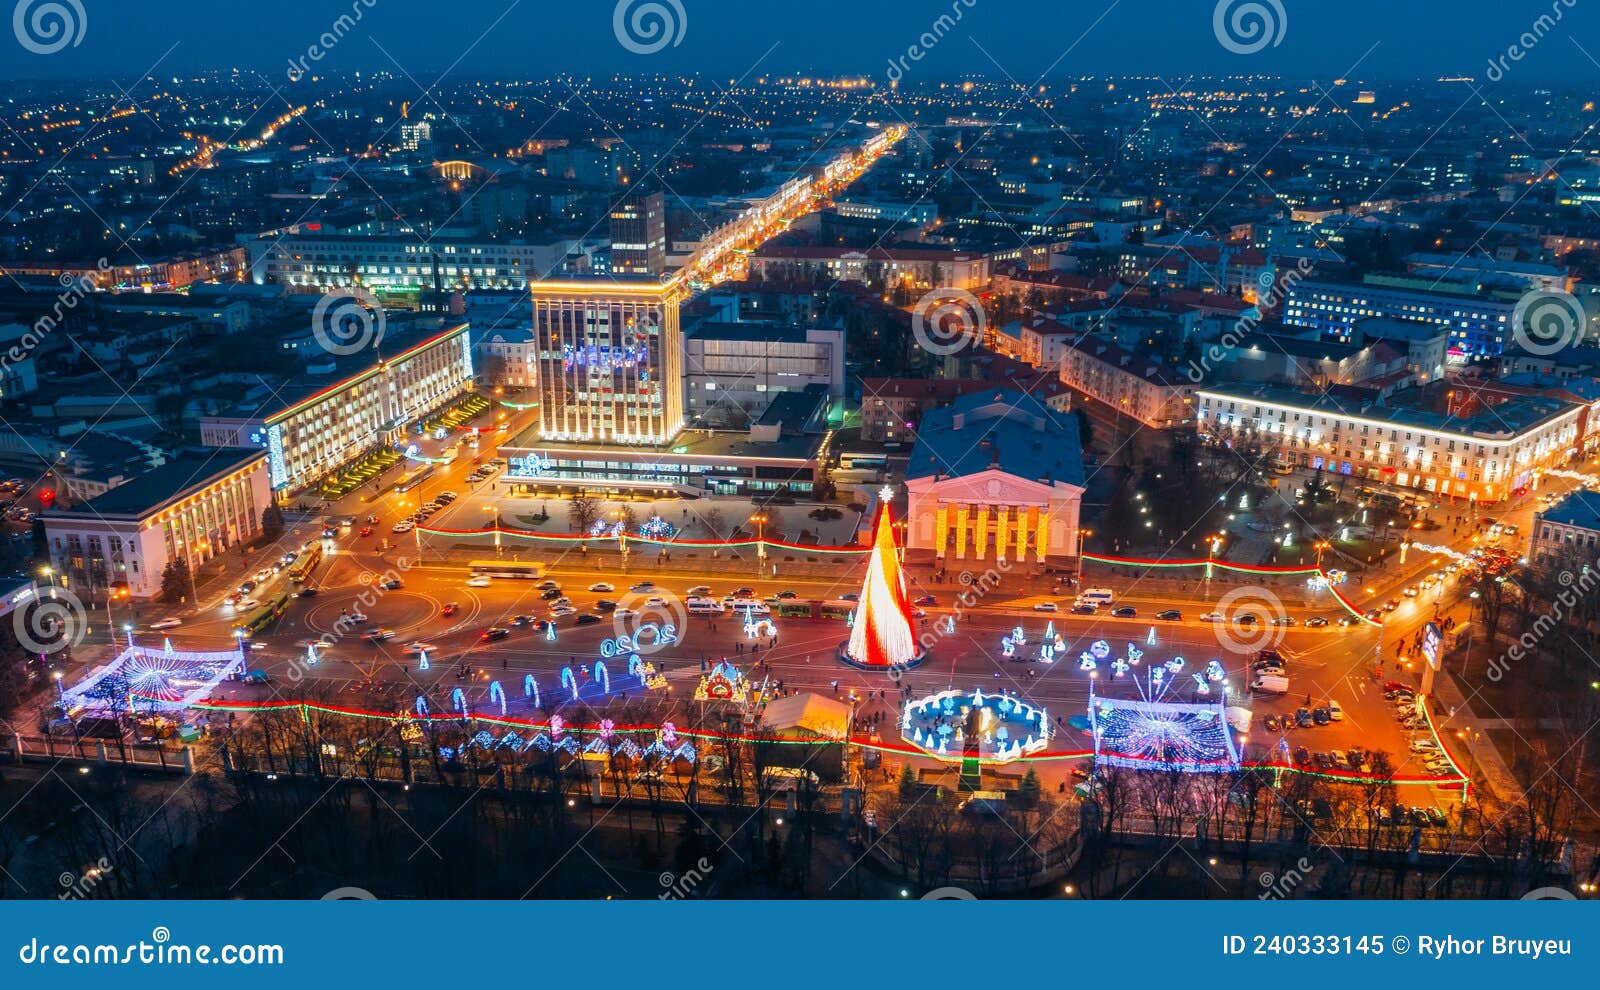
728,38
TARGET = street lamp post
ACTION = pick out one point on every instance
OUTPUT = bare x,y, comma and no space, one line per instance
760,519
495,508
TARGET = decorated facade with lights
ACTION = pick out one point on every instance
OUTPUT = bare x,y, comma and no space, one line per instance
608,360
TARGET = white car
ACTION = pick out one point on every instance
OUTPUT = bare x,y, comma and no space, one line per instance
246,605
445,496
478,581
417,647
563,610
1335,712
173,623
602,586
1213,617
403,526
623,613
1045,607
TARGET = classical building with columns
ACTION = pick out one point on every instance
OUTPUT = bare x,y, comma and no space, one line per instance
996,478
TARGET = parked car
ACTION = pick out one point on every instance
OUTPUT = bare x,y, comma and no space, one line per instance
926,600
1084,610
1335,711
605,605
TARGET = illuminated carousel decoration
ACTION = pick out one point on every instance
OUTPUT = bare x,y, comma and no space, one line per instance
153,680
881,634
1150,731
723,682
958,725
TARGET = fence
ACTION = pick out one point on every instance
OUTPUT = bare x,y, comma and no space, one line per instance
21,749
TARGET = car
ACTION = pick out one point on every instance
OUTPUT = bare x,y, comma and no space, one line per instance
926,600
623,613
1285,620
1391,605
1410,592
1302,756
308,592
1125,612
851,597
449,609
602,586
522,619
403,526
1338,759
744,592
417,646
247,587
551,594
561,611
493,633
587,618
232,599
654,601
393,584
698,591
1316,622
1084,610
354,616
1335,711
1048,607
605,605
1320,715
1269,670
1302,718
366,531
478,581
167,623
1323,760
1270,723
378,635
1170,615
643,586
245,605
1213,617
786,596
447,496
548,586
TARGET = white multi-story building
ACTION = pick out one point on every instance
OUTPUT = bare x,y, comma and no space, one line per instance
1126,383
195,507
337,422
329,261
1485,457
737,369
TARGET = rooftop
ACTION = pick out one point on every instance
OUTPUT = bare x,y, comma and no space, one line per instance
148,493
1580,509
1003,428
1512,419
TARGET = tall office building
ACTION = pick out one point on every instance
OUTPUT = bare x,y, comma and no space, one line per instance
639,235
608,364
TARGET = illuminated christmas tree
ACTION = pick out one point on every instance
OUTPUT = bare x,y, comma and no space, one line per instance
881,635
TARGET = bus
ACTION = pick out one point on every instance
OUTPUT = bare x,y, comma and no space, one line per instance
414,479
521,569
840,609
264,616
306,563
794,608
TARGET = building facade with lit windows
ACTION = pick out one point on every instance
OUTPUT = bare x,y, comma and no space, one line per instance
361,409
608,360
995,477
1485,457
1478,323
1568,533
402,264
195,507
639,235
